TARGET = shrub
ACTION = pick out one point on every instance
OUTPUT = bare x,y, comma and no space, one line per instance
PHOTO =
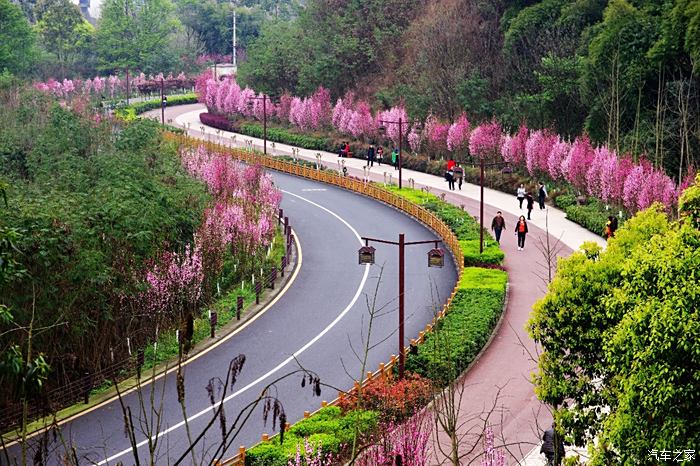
328,429
136,108
217,121
394,399
287,137
459,337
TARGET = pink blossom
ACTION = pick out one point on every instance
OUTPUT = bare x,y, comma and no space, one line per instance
391,119
537,149
595,171
175,282
415,139
458,134
492,456
633,187
98,83
486,140
436,132
513,148
577,162
688,180
556,158
410,440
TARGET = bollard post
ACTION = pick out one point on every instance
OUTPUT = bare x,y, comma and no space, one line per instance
306,414
324,403
265,437
140,359
212,323
280,217
239,307
283,265
88,387
273,277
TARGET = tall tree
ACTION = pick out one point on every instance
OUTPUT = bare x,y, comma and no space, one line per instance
136,34
16,39
63,29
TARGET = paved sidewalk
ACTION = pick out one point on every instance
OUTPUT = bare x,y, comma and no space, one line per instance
505,367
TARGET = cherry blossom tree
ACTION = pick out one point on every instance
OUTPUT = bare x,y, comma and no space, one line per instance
458,134
577,162
486,140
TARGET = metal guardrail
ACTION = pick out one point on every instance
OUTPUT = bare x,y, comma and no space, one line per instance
428,218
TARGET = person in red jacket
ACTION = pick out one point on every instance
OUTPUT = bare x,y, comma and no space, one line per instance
521,231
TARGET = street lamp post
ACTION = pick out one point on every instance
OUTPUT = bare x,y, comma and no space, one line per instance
482,166
400,122
163,101
401,244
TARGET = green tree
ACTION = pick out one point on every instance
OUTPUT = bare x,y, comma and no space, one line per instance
63,30
16,40
136,34
618,329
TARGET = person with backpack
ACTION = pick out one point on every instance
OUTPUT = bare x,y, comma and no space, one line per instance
552,447
450,177
521,231
380,155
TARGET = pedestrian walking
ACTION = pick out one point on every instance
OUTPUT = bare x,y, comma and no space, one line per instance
450,163
370,156
552,447
530,204
498,224
459,174
521,195
521,231
380,155
450,177
395,158
542,195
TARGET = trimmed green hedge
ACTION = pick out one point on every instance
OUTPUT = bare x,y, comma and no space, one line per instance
286,137
328,429
462,225
457,339
131,111
592,216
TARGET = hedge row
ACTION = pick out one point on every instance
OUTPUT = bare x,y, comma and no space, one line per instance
459,336
592,216
462,225
286,137
129,112
328,429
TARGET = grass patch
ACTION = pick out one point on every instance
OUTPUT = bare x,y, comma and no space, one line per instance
457,339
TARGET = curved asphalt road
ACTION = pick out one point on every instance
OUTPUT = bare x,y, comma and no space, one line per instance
321,313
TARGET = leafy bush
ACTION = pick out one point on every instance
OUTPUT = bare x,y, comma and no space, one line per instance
217,121
287,137
458,338
394,399
565,200
136,108
328,429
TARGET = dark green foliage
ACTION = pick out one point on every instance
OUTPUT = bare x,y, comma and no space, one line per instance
16,39
458,338
328,429
91,208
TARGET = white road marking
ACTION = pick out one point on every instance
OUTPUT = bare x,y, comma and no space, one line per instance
280,365
315,189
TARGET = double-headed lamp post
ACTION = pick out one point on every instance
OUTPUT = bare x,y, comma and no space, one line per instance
399,122
436,258
482,166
